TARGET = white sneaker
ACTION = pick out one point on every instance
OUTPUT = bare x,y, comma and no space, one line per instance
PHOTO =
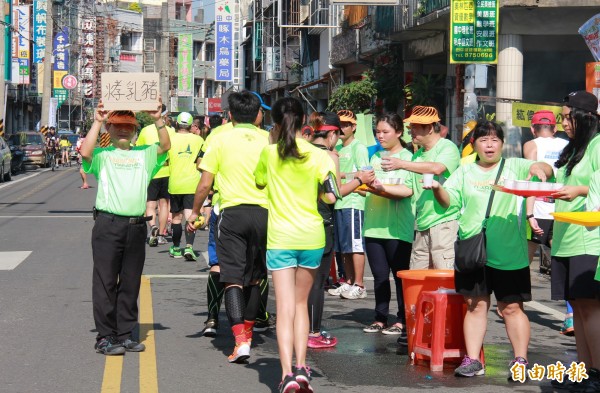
338,291
355,292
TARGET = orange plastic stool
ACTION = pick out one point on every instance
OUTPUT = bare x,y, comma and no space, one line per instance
439,328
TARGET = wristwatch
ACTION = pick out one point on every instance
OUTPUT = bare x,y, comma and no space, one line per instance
529,216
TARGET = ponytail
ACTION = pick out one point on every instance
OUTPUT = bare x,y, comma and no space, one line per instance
288,115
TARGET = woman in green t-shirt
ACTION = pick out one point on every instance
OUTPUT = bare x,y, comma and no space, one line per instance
388,228
575,248
506,273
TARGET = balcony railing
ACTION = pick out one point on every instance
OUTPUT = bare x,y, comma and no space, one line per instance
426,7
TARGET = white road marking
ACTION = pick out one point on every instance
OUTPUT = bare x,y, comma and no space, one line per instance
545,309
9,260
9,183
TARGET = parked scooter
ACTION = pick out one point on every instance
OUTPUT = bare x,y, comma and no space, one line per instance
16,162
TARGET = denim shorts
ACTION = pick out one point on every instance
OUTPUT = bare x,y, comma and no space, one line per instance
284,259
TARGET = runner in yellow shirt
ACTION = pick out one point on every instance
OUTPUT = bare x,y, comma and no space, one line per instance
158,190
230,160
184,177
295,173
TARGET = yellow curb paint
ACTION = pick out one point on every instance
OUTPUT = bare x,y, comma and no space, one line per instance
113,370
148,373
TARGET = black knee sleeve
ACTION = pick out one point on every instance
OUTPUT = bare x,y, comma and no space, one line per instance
214,293
234,305
177,232
252,295
264,297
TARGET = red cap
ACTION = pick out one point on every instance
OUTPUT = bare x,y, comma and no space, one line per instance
543,117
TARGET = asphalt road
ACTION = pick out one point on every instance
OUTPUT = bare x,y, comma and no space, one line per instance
47,330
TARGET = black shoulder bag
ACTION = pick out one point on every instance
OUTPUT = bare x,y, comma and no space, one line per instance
470,254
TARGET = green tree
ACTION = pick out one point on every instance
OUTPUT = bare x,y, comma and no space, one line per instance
356,96
135,7
144,119
427,90
388,79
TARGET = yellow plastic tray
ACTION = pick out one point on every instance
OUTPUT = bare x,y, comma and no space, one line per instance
588,219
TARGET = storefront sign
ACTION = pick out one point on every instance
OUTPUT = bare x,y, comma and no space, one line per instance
591,34
224,44
185,66
39,30
474,31
88,55
522,113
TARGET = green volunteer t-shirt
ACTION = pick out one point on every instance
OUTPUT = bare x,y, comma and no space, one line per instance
123,177
428,211
469,188
183,155
149,136
293,190
570,239
352,158
388,218
593,204
232,157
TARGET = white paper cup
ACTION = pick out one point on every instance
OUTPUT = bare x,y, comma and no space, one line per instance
509,183
384,153
546,186
557,186
396,180
521,185
534,185
427,179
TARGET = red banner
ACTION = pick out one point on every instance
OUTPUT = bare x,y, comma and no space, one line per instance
214,106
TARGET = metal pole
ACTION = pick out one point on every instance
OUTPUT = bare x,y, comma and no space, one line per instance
2,65
47,66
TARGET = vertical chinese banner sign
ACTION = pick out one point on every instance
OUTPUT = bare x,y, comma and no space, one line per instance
224,42
61,64
20,61
88,56
474,31
39,30
185,65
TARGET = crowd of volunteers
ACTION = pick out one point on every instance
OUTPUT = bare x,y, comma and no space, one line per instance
287,200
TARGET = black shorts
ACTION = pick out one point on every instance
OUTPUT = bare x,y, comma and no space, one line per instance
242,244
547,226
179,202
509,286
158,189
573,278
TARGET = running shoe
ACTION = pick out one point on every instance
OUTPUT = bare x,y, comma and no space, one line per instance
302,375
161,240
210,327
355,292
567,328
374,328
240,353
153,241
394,330
133,346
324,340
289,385
175,252
109,346
338,291
469,368
519,360
261,325
189,254
403,339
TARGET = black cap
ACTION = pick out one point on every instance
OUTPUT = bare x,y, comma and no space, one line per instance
582,100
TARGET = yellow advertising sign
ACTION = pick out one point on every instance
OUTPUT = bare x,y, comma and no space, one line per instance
523,112
58,75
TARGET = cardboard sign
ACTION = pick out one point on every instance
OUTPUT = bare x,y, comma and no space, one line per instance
134,91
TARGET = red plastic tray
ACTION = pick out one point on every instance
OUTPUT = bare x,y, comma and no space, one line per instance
526,193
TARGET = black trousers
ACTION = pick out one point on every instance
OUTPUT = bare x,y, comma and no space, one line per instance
119,252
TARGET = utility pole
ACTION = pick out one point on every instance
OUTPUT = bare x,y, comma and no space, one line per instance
47,67
3,4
